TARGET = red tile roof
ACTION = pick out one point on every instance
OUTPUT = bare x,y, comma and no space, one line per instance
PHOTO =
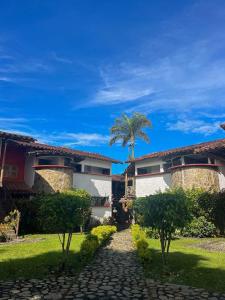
15,136
216,145
64,151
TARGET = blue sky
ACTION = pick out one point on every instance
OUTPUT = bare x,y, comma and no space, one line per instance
69,68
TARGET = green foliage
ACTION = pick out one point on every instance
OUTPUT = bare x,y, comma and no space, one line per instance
152,233
128,129
89,247
98,237
192,196
199,227
140,240
103,232
164,212
29,210
213,205
62,213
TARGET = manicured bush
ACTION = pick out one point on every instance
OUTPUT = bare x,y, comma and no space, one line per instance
165,212
103,232
89,247
199,227
62,213
140,240
98,237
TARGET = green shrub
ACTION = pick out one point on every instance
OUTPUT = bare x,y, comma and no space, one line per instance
89,247
213,205
62,213
152,233
98,237
199,227
103,232
140,240
164,212
29,221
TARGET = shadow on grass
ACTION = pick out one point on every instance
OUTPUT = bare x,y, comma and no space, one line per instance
187,269
39,266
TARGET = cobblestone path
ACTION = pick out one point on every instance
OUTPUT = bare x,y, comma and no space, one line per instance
115,273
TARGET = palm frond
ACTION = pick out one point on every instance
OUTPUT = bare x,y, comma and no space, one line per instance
144,136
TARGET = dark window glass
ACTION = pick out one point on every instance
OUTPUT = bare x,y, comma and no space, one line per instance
77,168
43,161
67,161
99,201
167,166
149,170
189,160
130,183
212,161
96,170
177,161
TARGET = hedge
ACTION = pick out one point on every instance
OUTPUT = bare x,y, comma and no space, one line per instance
97,238
140,240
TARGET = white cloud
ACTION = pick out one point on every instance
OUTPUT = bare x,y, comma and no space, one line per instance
194,126
68,139
85,139
61,59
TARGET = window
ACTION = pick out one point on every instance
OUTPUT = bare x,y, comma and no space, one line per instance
48,161
99,201
212,161
10,171
67,161
96,170
176,161
189,160
77,168
148,170
167,166
130,182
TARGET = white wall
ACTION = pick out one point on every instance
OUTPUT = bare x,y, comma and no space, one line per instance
95,185
147,163
148,185
221,174
96,163
29,171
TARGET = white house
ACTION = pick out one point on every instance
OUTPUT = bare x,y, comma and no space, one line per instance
201,165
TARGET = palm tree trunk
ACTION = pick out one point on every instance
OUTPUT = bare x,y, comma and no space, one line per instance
132,147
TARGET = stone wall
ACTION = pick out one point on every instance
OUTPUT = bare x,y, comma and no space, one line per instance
196,176
50,180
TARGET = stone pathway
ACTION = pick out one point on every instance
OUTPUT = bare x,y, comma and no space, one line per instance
115,273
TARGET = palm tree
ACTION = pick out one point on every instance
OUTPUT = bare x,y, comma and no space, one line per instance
127,130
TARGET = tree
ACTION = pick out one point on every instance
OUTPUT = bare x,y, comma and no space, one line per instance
164,212
213,205
62,213
127,130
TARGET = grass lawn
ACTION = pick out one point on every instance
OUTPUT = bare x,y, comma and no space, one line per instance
33,259
189,264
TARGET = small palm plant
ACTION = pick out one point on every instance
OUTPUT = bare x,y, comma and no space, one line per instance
128,129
